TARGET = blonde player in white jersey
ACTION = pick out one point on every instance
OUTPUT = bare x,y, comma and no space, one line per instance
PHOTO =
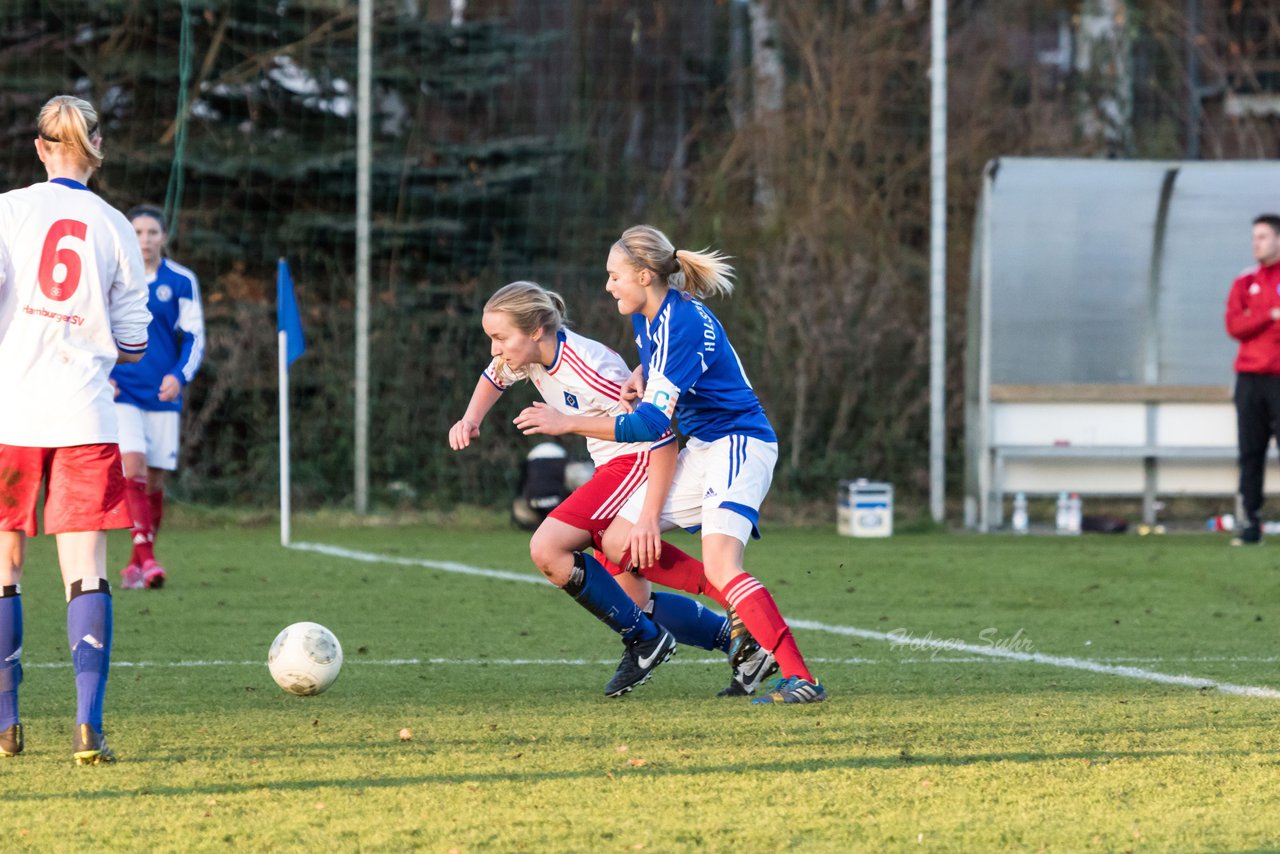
574,374
73,302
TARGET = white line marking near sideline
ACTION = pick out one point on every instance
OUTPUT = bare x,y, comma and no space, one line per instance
1124,670
442,565
600,662
950,645
464,662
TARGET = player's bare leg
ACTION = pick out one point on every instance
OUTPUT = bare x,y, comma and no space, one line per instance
552,548
13,548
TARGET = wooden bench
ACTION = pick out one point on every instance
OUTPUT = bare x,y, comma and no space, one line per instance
1140,430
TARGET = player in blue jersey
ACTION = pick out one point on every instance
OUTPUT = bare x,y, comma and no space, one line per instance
530,340
149,392
690,373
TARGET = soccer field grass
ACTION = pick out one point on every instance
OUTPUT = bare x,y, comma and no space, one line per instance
514,747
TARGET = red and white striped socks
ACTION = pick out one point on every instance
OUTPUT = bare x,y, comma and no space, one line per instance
760,615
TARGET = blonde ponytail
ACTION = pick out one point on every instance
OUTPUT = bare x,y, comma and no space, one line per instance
700,274
72,124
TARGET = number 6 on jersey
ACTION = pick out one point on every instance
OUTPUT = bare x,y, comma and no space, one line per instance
52,255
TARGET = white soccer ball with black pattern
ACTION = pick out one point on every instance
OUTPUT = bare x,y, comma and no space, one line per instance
305,659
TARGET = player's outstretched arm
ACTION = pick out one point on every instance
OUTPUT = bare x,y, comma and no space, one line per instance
541,420
468,428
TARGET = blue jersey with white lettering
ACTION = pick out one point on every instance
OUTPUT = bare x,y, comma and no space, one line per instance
175,343
693,375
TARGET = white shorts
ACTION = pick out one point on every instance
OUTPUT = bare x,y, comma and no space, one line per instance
718,488
154,434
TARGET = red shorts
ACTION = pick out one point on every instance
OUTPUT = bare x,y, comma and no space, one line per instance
85,488
593,505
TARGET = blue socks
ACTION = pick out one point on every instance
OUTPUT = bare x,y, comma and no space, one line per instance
10,653
689,622
89,634
593,588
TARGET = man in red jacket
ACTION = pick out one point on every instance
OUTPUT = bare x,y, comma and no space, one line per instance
1253,319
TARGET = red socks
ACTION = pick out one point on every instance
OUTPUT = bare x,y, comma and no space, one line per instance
156,500
675,569
681,571
135,494
760,615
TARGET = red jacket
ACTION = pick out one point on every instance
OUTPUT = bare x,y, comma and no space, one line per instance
1249,306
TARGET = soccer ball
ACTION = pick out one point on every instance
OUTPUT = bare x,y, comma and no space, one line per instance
305,659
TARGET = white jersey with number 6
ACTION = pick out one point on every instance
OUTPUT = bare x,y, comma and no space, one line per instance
73,289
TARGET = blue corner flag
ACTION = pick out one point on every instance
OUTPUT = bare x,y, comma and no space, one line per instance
288,320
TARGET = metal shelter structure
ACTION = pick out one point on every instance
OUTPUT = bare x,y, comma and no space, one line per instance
1098,361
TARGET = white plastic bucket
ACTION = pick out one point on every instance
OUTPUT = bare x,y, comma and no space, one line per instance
864,508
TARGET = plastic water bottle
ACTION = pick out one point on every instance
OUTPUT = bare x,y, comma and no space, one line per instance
1019,518
1075,513
1060,517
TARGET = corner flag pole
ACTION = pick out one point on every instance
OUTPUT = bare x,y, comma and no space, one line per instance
283,362
292,345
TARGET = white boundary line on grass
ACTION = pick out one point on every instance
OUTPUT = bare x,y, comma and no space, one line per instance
589,662
479,662
487,662
949,645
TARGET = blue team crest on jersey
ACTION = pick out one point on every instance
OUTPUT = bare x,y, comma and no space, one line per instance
570,400
164,293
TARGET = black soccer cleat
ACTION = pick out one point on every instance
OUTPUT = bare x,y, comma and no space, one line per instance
738,638
639,659
90,746
11,741
750,674
751,663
